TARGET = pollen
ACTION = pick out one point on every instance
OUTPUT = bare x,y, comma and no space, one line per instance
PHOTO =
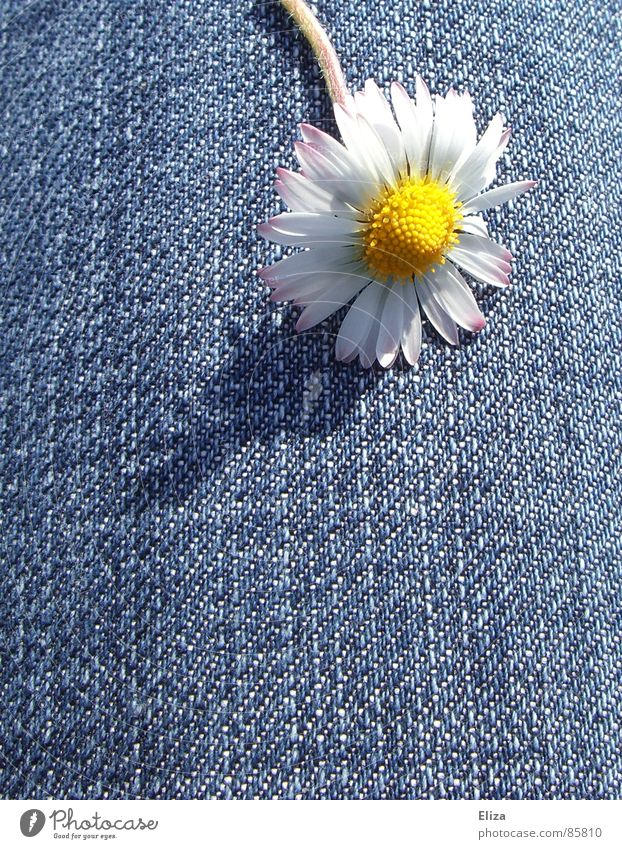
410,229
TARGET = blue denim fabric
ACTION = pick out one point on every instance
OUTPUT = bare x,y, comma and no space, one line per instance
233,567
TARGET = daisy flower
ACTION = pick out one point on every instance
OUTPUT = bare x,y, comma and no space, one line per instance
390,220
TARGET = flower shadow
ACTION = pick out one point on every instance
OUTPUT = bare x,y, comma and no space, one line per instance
274,387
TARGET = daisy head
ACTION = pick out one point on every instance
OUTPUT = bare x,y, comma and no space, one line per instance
386,218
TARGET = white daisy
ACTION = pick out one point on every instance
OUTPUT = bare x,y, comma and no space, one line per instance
386,217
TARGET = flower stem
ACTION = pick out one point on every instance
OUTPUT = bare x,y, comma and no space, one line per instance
320,43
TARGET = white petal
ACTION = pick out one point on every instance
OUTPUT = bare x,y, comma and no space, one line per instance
331,299
416,121
313,224
323,142
424,101
310,261
407,116
503,142
485,269
391,324
346,121
495,197
490,171
298,229
425,116
333,176
474,224
348,127
483,245
411,330
320,164
452,134
465,138
377,157
335,153
312,287
303,195
317,312
455,297
299,290
442,136
367,345
374,106
358,322
437,315
472,175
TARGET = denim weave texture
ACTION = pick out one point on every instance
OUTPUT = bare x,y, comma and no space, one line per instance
233,567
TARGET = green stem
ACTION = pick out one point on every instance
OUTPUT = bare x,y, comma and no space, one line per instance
320,43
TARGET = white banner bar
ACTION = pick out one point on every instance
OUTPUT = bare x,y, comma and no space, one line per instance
312,824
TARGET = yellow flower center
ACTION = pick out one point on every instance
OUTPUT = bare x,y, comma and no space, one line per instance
410,229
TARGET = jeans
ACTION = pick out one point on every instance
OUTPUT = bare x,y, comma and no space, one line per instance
233,567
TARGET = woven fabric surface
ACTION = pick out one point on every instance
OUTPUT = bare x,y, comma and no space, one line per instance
232,566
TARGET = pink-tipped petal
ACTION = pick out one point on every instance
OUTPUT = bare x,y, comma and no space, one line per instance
391,325
486,269
438,317
411,330
454,296
483,245
357,324
495,197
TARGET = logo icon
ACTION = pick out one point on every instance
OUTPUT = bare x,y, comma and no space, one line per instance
31,822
